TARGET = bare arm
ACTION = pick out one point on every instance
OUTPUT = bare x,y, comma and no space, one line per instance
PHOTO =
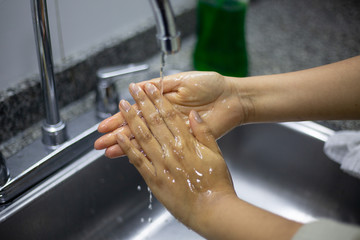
323,93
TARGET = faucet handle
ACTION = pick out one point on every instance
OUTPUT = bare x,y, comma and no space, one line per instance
107,97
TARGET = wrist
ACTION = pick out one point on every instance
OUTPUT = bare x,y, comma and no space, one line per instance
243,97
229,217
209,214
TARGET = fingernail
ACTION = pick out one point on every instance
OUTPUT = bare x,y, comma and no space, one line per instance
196,116
125,105
151,88
120,137
135,88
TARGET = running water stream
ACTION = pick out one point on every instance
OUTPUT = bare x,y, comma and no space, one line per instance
162,67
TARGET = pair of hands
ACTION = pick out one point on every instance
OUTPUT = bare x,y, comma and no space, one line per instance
210,94
181,167
171,140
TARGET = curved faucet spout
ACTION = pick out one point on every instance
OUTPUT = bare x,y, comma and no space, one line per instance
167,34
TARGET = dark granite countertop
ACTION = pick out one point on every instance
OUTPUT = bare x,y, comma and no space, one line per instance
282,36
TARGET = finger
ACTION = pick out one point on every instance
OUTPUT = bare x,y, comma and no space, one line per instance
202,132
170,115
142,133
141,163
110,139
151,115
115,151
113,122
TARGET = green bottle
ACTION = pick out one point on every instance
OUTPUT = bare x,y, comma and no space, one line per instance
221,43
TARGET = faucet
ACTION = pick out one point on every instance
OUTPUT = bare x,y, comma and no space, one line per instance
53,128
169,42
22,172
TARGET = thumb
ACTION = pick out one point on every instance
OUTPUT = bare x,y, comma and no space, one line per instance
202,132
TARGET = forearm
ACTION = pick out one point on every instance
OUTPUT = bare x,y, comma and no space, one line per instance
232,218
323,93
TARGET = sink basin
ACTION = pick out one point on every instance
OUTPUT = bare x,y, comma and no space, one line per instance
279,167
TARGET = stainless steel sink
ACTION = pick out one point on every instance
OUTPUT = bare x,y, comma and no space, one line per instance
279,167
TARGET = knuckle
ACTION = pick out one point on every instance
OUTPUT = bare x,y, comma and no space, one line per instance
178,152
135,144
126,148
155,119
170,115
159,181
205,131
143,136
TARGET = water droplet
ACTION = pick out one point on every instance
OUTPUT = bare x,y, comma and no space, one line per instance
149,220
191,186
150,195
198,152
150,199
139,188
142,220
198,173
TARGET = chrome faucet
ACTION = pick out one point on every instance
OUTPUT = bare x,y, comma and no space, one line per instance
167,34
22,172
169,42
53,128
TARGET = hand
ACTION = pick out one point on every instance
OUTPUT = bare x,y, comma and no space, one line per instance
212,95
186,172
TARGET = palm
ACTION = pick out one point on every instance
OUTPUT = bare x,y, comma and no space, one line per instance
204,92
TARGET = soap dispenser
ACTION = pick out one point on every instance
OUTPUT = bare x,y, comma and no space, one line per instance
221,43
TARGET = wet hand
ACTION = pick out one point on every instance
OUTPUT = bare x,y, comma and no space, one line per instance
184,170
210,94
